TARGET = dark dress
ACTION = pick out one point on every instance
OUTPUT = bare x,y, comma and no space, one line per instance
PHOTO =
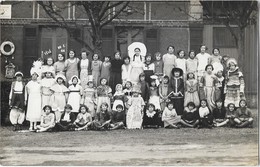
190,117
148,71
17,100
65,125
151,121
118,117
116,73
219,113
177,85
100,119
145,93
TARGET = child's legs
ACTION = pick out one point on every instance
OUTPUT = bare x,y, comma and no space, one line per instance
186,124
21,117
14,115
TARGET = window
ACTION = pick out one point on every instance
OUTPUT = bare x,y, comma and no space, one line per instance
223,38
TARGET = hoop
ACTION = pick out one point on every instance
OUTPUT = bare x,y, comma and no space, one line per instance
3,46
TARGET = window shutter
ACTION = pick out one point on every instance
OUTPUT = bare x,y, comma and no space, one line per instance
151,40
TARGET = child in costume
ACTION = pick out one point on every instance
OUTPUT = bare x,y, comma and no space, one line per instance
243,117
191,94
126,70
17,102
148,68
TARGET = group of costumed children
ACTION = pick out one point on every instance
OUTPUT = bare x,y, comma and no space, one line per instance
203,91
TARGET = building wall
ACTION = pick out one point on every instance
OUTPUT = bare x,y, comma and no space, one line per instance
15,35
178,37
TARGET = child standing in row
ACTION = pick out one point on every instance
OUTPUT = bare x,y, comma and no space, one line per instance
164,92
71,65
158,65
148,68
169,60
144,86
59,96
181,63
89,98
96,65
203,61
215,60
83,68
104,94
134,117
17,102
46,83
75,93
126,70
154,95
191,94
105,69
59,65
116,66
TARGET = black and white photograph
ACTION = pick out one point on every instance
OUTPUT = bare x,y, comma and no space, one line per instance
129,83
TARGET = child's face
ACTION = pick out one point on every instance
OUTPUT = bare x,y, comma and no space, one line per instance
203,104
127,61
202,49
19,78
119,88
165,80
103,107
170,50
34,76
47,110
209,69
107,59
90,84
150,108
216,52
48,75
176,73
192,55
181,54
148,58
74,81
191,76
83,110
95,57
170,106
158,57
219,104
137,52
142,78
231,108
71,54
190,107
83,55
153,83
242,104
49,61
60,81
103,82
117,55
119,109
135,94
128,85
232,66
60,57
219,74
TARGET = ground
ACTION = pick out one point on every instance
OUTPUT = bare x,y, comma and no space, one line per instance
186,146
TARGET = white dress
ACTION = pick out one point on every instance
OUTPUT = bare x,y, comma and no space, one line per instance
203,60
33,89
126,72
137,69
84,72
75,97
46,84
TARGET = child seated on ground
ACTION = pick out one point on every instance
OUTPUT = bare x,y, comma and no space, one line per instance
83,120
151,117
219,113
171,119
229,117
102,120
47,120
190,114
205,115
118,118
67,119
243,117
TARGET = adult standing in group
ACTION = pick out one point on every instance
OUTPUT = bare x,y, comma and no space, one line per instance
169,61
71,65
116,71
83,68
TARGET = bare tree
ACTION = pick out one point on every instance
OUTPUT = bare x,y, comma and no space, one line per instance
98,14
240,13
